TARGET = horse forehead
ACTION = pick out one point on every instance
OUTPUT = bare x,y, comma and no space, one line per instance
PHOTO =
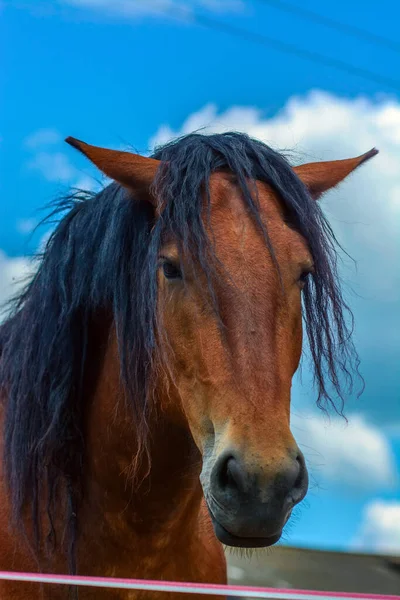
231,218
226,198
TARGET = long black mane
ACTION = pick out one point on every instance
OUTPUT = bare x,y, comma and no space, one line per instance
102,259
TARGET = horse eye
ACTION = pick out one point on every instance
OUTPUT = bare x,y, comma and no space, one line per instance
171,271
303,278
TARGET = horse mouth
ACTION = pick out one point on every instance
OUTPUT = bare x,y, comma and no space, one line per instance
227,538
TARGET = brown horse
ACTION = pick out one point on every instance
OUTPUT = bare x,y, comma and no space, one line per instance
146,369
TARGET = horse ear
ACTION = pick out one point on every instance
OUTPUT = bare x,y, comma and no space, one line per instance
320,177
134,172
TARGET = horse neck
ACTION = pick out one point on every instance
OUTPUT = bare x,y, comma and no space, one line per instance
170,492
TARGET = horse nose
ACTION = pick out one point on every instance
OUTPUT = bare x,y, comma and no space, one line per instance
249,502
230,478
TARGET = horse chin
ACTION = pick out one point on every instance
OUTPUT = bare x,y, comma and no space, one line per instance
228,539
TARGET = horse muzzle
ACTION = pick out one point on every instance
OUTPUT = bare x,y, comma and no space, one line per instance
248,509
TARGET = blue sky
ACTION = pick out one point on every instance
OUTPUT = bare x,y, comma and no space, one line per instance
127,76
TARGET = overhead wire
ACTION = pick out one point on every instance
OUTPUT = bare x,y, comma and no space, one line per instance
340,26
282,46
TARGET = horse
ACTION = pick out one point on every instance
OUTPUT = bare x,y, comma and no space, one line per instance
146,368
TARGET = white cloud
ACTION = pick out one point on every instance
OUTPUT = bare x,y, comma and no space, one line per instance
26,225
54,164
144,8
13,273
380,528
357,455
364,211
43,137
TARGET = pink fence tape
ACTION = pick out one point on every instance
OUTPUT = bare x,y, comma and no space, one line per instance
188,588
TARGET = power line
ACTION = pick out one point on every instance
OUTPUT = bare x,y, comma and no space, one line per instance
351,30
285,47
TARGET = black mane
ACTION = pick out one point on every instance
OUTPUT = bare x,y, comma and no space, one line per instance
102,257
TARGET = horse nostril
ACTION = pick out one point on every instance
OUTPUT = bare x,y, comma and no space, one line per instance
235,473
301,482
300,468
230,474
